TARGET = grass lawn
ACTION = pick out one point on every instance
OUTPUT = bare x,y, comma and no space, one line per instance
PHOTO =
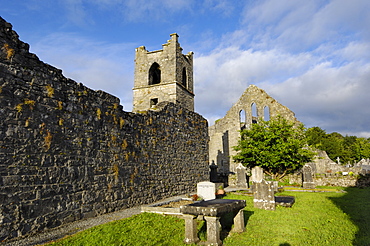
326,218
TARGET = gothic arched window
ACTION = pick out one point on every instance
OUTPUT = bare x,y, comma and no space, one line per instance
254,113
242,119
266,113
154,74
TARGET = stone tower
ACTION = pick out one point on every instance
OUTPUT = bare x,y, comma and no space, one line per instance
163,75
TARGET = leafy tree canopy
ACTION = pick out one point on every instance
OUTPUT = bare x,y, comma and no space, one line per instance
277,145
348,148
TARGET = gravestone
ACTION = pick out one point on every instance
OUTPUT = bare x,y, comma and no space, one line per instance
257,174
275,186
264,195
206,190
241,179
213,177
307,177
263,191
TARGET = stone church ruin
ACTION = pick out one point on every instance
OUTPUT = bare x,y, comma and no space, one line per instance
68,152
253,105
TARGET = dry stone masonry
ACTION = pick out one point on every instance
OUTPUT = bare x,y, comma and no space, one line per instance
68,152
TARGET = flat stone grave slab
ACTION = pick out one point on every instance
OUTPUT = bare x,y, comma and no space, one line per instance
170,207
285,201
215,207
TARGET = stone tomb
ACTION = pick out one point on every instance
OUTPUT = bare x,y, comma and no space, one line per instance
212,211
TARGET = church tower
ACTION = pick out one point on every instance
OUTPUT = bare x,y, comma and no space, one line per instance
163,75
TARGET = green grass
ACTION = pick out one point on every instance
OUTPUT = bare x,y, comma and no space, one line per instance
326,218
141,229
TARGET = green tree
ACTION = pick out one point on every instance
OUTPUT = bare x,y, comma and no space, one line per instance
362,148
277,145
315,137
334,147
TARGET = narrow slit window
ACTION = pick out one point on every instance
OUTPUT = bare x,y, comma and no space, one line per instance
184,77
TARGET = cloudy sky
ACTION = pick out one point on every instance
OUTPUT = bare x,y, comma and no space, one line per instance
312,56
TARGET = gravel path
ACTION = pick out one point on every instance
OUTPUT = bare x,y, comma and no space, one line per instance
74,227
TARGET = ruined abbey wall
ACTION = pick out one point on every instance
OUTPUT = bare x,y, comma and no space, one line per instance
68,152
225,133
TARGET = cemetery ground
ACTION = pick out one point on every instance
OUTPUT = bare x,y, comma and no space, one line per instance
316,218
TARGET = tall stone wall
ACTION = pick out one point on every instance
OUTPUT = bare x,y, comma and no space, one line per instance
68,152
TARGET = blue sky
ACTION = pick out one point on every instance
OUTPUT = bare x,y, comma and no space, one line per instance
312,56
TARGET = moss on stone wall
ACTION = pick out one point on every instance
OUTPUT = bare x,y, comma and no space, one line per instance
69,152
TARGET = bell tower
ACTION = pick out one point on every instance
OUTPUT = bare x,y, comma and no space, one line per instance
163,75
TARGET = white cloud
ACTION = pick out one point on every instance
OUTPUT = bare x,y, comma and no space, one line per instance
333,98
222,76
297,25
321,92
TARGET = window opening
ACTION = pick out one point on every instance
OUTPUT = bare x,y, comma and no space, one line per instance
184,77
153,102
254,113
242,119
154,74
266,113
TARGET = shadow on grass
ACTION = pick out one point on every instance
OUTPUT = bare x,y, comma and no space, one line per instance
356,204
226,222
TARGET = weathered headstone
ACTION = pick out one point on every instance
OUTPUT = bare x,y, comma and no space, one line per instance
206,190
275,186
213,177
241,179
264,195
307,177
263,191
257,174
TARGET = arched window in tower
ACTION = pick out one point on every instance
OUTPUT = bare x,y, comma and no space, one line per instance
254,113
242,119
154,74
266,113
184,77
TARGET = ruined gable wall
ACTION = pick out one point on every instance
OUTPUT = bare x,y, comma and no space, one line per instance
68,152
224,134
